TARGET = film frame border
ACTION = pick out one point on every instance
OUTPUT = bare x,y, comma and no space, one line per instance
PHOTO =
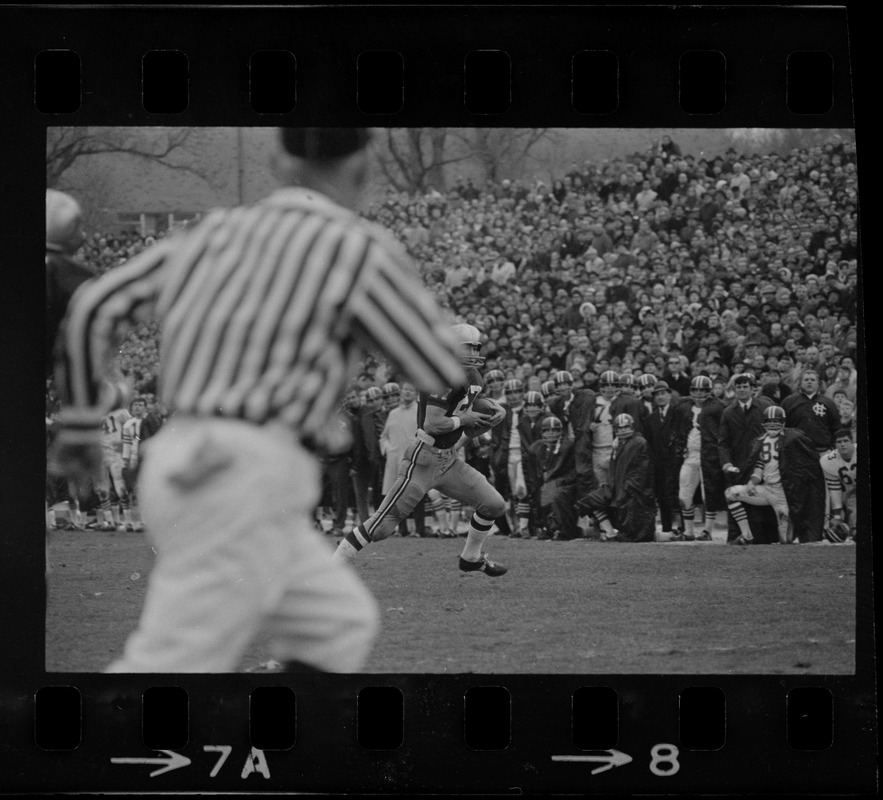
114,98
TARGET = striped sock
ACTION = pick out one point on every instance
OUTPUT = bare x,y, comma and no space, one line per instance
741,516
352,543
479,527
689,517
522,512
603,521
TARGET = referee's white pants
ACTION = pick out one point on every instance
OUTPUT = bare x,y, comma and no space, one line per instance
228,508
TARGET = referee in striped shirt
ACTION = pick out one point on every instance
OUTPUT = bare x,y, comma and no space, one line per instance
265,311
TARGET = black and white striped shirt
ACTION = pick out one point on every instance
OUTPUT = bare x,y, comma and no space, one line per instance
265,311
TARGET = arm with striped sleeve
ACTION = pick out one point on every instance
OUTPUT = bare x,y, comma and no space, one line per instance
392,310
100,315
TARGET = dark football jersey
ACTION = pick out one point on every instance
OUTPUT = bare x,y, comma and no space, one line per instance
453,401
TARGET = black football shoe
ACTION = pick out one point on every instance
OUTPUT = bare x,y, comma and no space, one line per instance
485,565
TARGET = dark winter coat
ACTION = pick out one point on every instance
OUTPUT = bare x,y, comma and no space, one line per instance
802,481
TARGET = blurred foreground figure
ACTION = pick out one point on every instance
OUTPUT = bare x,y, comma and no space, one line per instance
265,311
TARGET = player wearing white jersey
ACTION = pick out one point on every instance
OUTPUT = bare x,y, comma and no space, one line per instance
108,517
764,487
601,426
839,467
131,455
696,435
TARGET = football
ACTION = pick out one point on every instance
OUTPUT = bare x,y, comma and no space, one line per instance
481,406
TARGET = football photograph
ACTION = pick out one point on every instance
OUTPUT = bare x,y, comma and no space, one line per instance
453,400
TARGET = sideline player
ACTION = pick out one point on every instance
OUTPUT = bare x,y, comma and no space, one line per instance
132,459
764,487
264,310
627,493
111,477
790,479
839,466
431,462
601,426
698,426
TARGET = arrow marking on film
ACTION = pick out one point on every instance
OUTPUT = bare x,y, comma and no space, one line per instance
172,761
614,758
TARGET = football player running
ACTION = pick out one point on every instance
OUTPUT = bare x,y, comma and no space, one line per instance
431,462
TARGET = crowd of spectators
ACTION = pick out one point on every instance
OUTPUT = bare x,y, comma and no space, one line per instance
657,263
734,263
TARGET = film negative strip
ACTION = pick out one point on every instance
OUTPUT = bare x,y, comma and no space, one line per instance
588,668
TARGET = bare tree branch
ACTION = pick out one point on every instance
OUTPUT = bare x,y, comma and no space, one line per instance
66,146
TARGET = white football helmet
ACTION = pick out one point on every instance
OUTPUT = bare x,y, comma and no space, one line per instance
469,338
534,403
623,426
551,429
774,420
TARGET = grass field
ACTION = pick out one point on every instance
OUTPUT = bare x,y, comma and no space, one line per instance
564,607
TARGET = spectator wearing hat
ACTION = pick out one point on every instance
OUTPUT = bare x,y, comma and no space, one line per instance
660,430
740,426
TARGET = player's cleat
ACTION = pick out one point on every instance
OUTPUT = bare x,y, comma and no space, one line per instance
484,564
122,527
611,537
138,527
705,536
742,539
105,526
686,537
